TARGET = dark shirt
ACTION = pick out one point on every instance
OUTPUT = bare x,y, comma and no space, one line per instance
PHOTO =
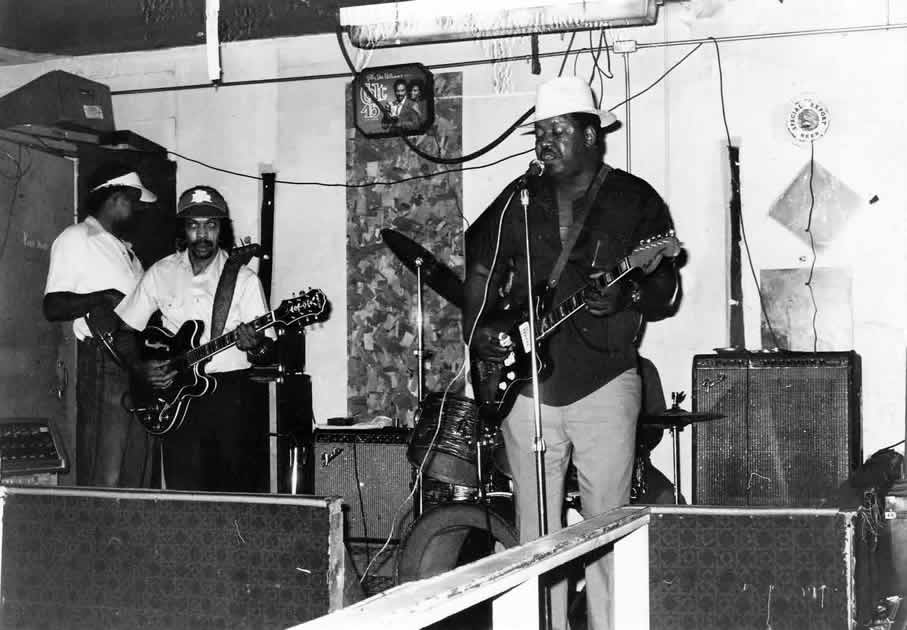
587,351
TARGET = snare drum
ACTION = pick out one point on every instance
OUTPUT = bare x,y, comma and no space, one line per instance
449,452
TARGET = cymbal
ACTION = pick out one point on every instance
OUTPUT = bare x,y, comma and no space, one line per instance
675,417
435,274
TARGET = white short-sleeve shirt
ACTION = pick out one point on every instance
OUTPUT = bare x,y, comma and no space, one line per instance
171,286
86,258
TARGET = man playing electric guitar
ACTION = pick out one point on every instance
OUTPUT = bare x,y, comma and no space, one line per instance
219,446
584,217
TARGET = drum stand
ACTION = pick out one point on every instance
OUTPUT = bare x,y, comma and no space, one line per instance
420,376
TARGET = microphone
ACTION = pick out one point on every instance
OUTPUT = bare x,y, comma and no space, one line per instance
536,168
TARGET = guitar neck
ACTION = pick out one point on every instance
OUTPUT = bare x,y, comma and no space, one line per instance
225,341
563,311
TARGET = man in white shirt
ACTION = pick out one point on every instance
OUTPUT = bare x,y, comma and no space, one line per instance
218,446
91,268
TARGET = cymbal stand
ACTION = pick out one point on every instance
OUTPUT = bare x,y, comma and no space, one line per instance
675,434
676,399
420,349
420,373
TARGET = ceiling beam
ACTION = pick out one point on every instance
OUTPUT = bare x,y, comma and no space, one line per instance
85,27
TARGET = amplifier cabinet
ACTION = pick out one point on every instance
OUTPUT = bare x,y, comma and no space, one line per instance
103,558
753,568
369,470
791,431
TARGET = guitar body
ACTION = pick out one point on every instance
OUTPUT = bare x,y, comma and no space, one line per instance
161,411
497,384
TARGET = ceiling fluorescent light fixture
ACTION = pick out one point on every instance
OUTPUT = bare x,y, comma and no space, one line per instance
426,21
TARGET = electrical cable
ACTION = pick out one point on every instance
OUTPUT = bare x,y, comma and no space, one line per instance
746,245
20,173
567,54
812,243
364,185
659,79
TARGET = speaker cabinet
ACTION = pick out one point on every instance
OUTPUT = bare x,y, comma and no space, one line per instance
791,431
126,559
753,568
370,471
59,99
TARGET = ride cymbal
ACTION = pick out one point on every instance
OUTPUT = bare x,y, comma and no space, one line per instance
676,417
435,274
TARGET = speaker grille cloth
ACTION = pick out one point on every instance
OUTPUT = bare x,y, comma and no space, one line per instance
372,475
790,436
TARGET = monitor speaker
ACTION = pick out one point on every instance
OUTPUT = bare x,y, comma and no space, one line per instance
369,470
791,431
59,99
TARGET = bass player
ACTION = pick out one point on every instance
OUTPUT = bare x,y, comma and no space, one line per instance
222,444
595,215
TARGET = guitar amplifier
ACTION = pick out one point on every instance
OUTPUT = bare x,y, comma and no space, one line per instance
368,468
791,432
754,568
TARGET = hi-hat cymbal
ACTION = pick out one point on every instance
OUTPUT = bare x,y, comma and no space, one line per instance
675,417
435,274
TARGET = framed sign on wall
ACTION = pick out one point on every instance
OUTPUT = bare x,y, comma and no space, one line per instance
392,101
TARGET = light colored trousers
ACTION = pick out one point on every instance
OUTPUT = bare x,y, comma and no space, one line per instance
599,431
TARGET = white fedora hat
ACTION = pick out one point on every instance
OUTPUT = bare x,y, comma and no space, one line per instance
568,95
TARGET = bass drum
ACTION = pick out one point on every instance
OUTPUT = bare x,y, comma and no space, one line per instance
455,534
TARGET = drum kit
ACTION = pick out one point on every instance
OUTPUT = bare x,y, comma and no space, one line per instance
463,468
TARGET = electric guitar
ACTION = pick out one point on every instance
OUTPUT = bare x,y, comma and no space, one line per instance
161,411
497,384
104,324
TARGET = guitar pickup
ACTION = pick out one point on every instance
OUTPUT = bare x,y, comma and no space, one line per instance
525,337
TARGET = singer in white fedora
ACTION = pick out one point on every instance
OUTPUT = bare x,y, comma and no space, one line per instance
584,216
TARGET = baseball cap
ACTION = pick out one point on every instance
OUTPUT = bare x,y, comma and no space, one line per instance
202,201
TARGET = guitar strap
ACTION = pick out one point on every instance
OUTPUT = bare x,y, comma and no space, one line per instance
223,296
578,222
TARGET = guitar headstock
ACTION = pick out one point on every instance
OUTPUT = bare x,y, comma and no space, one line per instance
308,308
650,252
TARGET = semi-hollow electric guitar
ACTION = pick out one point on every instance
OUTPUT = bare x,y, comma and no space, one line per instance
497,384
161,411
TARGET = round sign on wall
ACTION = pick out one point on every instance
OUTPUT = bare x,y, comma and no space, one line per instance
808,120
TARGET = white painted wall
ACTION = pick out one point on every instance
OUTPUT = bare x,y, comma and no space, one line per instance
677,140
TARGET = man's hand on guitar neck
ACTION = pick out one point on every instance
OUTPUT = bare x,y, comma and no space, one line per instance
606,301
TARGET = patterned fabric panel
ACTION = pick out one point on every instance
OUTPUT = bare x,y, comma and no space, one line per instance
741,572
89,562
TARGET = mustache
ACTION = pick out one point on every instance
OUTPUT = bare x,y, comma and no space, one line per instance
204,242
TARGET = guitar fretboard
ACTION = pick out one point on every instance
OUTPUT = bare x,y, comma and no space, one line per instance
202,352
575,302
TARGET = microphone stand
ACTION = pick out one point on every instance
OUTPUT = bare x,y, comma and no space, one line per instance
539,443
